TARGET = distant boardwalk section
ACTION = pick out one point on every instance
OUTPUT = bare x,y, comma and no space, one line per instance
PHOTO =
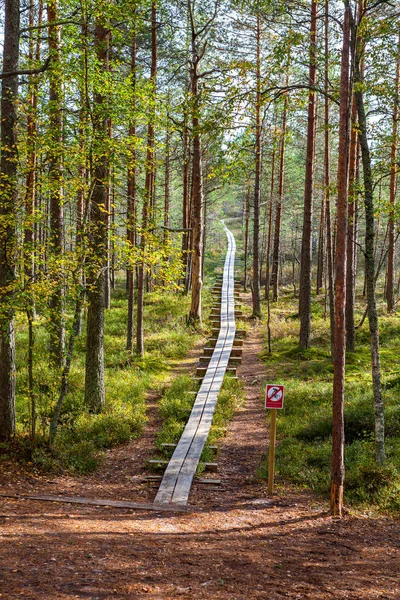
177,481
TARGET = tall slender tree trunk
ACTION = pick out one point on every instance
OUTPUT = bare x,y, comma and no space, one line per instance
8,205
107,280
321,248
31,135
197,180
148,193
306,244
351,237
97,236
197,186
278,214
132,200
393,186
57,326
370,264
30,201
270,214
167,176
246,238
257,182
339,350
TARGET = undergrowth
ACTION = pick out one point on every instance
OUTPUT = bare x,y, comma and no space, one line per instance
82,436
303,454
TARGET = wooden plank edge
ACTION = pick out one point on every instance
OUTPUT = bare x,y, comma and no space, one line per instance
102,502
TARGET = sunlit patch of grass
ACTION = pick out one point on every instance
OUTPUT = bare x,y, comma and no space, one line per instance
303,453
176,405
81,435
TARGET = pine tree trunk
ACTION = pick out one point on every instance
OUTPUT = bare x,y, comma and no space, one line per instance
321,248
246,239
370,266
97,238
392,193
167,183
31,159
339,349
132,201
269,234
107,279
351,246
306,244
56,240
278,215
197,191
257,183
8,205
148,192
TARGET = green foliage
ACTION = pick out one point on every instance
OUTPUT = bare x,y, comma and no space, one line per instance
82,436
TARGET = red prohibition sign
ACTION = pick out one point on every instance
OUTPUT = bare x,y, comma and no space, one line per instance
274,396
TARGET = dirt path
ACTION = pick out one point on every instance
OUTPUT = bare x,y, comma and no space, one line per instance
236,545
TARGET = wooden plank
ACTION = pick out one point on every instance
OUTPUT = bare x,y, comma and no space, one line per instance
94,502
180,471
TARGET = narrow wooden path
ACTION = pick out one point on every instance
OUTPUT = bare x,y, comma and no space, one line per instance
177,481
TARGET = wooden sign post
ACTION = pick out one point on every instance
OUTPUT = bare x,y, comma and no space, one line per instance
273,400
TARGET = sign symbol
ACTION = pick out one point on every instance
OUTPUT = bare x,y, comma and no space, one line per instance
274,396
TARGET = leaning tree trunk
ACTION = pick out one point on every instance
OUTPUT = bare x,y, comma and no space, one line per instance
339,348
97,237
8,205
306,244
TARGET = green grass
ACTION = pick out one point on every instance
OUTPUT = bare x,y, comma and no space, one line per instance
303,455
176,405
83,436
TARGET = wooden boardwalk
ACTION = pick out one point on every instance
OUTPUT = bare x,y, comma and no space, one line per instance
177,481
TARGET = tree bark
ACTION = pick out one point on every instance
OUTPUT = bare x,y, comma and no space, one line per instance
197,179
270,212
351,237
306,245
8,205
97,237
167,177
132,199
339,349
149,180
246,238
257,182
56,240
278,215
393,186
370,264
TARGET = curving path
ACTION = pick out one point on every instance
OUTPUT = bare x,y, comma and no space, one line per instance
177,481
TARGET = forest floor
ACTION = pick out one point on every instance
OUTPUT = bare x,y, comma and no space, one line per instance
232,543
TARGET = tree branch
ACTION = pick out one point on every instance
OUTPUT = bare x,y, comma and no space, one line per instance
41,69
